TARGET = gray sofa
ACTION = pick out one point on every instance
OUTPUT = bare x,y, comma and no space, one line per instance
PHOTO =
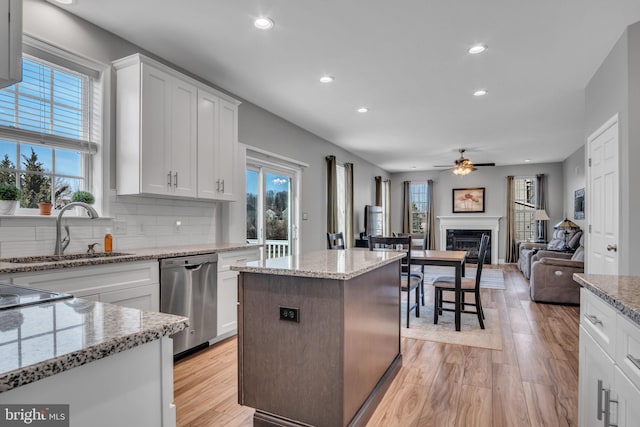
552,276
557,242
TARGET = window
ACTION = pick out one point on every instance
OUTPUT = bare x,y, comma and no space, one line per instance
419,207
49,128
524,199
342,197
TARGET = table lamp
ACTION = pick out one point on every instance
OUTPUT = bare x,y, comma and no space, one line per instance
567,225
540,215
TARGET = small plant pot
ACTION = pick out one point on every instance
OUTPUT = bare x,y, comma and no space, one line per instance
8,207
45,208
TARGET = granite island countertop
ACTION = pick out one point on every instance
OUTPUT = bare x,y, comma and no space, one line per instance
341,264
621,292
42,340
128,255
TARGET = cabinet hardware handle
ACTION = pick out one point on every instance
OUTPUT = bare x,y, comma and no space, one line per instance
175,184
599,410
613,248
607,408
593,319
635,361
218,186
223,185
169,179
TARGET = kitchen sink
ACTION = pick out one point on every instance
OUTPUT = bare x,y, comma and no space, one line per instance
66,257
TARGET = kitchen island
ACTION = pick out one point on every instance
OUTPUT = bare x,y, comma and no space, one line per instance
318,336
112,365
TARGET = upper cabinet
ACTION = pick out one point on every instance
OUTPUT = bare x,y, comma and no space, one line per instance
10,42
174,135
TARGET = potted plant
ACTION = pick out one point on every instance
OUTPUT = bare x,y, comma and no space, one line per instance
9,198
83,196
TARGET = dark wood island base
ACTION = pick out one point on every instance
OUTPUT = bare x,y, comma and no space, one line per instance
329,362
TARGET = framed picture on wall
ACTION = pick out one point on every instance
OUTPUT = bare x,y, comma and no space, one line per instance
578,204
468,200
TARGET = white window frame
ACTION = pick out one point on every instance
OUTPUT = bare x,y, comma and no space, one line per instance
419,233
523,215
93,165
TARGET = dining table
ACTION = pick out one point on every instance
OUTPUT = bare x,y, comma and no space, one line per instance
454,259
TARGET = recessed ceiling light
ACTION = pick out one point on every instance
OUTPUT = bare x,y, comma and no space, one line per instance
65,1
264,23
476,49
363,110
480,92
527,160
326,79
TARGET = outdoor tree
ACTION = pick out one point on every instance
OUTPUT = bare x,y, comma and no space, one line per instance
7,177
36,187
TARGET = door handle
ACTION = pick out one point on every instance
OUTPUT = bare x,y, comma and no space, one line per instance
613,248
593,319
607,408
169,179
223,185
175,184
599,410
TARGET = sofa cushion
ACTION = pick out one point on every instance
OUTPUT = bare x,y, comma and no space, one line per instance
578,255
574,239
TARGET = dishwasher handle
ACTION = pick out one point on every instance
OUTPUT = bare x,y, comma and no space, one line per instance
188,262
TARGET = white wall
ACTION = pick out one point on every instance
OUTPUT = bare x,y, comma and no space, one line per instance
494,180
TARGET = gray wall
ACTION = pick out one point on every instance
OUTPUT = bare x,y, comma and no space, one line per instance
615,89
257,127
493,179
574,179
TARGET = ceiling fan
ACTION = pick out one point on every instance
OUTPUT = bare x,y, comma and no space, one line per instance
464,166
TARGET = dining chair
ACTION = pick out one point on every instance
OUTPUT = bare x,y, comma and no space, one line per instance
408,281
335,240
467,286
416,270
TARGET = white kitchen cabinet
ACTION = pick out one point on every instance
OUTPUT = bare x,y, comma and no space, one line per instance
130,284
217,146
10,42
608,391
174,135
228,289
156,123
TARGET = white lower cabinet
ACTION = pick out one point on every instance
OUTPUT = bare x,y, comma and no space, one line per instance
129,284
228,288
608,396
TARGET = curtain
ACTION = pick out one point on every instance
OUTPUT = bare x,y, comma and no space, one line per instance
378,180
332,195
512,251
386,207
541,201
406,207
348,206
429,241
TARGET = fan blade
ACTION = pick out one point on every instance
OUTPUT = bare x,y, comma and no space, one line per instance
442,166
484,164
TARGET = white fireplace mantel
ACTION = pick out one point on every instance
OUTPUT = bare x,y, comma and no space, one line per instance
471,222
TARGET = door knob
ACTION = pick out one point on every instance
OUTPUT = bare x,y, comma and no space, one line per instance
613,248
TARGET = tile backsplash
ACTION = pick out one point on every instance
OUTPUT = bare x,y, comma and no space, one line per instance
135,222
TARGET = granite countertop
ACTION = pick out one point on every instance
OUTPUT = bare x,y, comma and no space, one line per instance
622,292
328,264
129,255
42,340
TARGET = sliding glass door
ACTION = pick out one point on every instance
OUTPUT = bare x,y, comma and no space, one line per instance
270,209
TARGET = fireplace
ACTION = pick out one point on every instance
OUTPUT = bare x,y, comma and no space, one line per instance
483,223
468,240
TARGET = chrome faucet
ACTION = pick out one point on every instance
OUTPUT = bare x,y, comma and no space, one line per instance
61,244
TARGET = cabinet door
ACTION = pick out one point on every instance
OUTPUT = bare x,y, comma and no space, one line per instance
183,138
626,413
143,297
155,143
227,301
595,365
10,42
227,147
208,138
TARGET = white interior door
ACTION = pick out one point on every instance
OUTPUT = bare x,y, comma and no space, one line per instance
602,199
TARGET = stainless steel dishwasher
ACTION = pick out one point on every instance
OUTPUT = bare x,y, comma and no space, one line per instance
188,288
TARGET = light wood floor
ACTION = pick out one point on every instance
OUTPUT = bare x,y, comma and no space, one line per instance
533,381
